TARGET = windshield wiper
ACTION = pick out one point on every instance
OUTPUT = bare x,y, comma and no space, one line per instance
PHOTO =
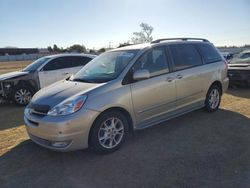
81,80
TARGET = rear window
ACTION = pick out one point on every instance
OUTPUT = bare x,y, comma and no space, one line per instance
209,54
185,56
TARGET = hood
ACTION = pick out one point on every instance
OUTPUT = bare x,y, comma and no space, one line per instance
12,75
59,91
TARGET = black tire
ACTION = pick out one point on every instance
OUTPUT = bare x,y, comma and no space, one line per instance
98,131
209,106
18,98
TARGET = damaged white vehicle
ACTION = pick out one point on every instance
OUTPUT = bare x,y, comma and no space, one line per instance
20,86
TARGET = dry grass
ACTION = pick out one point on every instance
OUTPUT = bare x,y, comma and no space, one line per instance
237,101
12,131
12,137
10,66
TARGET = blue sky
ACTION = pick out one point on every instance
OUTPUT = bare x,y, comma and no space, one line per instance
95,23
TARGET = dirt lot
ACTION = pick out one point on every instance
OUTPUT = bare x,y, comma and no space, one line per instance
12,66
194,150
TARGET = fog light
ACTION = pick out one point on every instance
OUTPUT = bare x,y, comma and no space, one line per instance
60,144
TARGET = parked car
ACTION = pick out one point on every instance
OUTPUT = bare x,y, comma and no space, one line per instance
239,70
228,56
127,89
21,85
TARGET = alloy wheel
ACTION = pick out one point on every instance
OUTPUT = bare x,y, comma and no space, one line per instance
214,98
111,132
22,96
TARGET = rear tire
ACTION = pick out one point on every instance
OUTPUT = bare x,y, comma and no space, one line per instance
108,132
213,98
22,95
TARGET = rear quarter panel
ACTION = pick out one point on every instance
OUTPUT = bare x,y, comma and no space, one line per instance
214,72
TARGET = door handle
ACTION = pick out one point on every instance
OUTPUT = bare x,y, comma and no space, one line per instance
65,73
169,79
179,76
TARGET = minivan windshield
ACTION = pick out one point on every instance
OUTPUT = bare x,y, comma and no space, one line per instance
105,67
36,64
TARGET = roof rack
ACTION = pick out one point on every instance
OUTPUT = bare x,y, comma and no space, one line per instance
183,39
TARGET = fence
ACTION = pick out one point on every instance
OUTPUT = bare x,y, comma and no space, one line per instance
22,57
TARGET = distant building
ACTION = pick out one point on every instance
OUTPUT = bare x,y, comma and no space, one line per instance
18,51
44,51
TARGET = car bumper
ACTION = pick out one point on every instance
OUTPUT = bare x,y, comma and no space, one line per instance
61,133
239,76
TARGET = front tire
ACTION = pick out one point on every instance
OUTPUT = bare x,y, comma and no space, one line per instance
22,95
108,132
213,98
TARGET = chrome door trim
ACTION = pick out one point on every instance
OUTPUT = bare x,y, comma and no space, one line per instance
155,106
187,96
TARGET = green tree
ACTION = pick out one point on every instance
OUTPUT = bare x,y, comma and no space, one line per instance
50,49
55,48
144,35
124,44
101,50
77,48
92,51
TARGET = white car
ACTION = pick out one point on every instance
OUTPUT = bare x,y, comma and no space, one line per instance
21,85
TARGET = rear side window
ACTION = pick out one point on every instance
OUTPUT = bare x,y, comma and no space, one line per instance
80,61
209,54
185,56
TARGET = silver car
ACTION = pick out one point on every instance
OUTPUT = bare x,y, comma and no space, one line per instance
127,89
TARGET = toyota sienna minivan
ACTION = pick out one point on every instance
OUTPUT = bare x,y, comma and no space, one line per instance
127,89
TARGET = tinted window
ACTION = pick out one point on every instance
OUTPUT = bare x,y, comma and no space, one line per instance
154,61
58,63
80,61
245,56
36,64
209,53
185,56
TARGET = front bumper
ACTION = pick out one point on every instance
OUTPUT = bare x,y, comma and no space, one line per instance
61,133
239,77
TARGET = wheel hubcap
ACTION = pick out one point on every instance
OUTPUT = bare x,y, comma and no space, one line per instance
214,98
111,132
22,96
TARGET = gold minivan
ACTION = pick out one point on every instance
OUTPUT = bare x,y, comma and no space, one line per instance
127,89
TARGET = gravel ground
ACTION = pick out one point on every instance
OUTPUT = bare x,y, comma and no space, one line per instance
195,150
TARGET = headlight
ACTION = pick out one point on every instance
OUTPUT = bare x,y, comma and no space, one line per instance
68,106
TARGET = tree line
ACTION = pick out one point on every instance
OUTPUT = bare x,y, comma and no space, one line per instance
142,36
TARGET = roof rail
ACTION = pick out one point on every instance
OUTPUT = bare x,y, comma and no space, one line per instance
183,39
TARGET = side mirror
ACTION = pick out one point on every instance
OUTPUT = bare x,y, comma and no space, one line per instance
141,74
